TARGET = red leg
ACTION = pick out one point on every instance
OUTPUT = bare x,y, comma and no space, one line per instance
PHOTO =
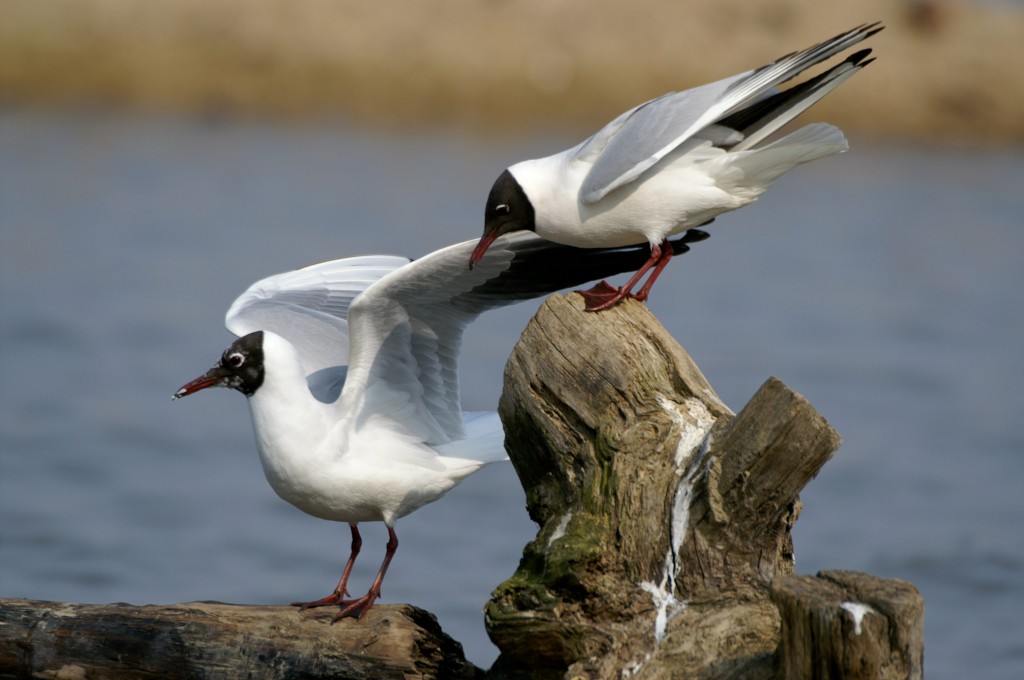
341,590
598,300
357,607
666,255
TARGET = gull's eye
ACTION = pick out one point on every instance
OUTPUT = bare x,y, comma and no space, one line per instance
502,209
235,360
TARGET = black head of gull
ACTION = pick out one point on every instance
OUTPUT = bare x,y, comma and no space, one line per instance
508,209
240,368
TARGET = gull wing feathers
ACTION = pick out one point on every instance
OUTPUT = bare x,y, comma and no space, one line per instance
640,138
309,307
406,330
766,115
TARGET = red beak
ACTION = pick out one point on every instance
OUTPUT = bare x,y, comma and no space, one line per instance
209,379
478,253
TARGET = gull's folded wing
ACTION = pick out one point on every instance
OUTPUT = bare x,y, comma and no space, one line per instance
639,139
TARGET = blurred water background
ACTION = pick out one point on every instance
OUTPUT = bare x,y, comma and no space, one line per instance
886,285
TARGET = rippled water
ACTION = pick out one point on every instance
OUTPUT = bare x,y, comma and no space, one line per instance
886,285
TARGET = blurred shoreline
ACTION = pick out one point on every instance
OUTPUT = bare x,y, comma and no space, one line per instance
946,72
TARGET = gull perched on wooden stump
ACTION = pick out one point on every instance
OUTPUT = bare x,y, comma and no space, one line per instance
673,163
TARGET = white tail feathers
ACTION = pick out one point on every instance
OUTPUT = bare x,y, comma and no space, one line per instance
484,441
758,168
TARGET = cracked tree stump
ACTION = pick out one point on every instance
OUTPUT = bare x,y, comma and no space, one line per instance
848,626
663,516
213,640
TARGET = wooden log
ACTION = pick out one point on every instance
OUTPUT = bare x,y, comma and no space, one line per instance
843,625
213,640
741,520
663,517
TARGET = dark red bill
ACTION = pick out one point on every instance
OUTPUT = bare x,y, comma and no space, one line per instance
478,253
200,383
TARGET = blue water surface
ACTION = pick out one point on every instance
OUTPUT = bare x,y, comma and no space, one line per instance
886,285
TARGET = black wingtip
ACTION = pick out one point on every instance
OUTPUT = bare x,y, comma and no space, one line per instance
873,28
695,236
540,267
681,244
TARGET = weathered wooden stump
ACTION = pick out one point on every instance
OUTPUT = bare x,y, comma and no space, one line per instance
849,626
213,640
663,517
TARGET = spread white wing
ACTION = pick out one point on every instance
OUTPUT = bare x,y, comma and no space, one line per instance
309,307
406,330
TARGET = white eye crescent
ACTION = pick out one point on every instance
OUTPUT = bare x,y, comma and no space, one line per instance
502,209
236,360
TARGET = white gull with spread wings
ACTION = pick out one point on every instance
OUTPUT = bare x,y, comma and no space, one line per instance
350,369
